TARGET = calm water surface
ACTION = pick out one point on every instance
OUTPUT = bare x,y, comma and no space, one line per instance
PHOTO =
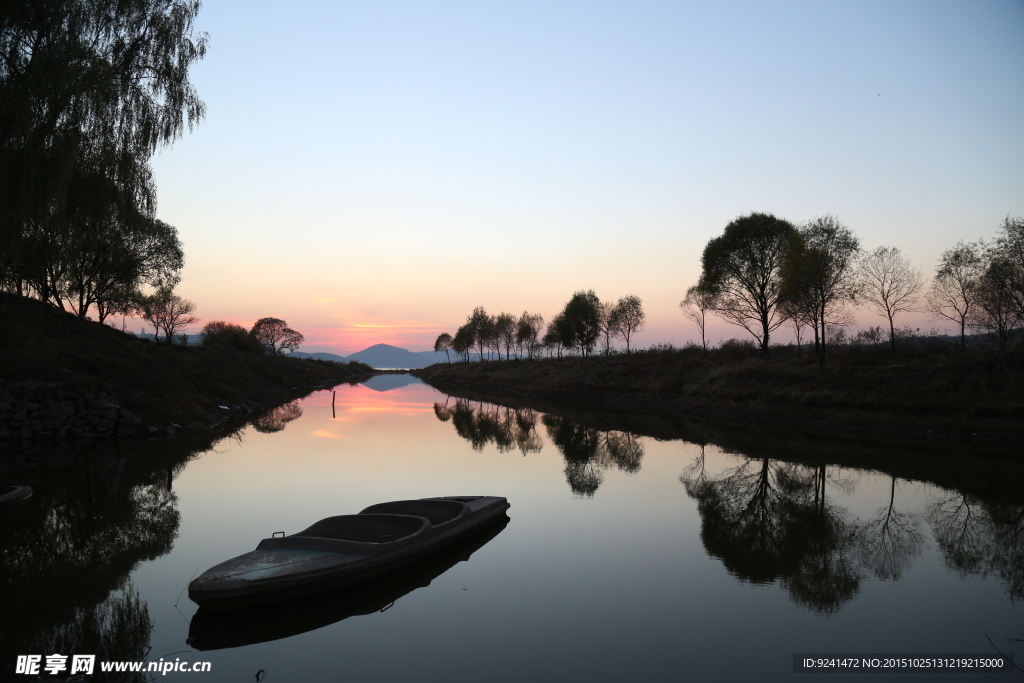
638,548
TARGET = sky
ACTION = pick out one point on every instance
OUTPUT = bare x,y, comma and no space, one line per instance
371,172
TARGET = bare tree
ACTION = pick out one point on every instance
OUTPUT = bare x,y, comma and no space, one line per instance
443,343
696,306
890,284
167,312
954,291
629,317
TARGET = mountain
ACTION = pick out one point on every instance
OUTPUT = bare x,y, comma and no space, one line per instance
387,356
383,356
322,356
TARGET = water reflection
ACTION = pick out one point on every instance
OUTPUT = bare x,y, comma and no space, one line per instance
214,631
507,428
275,419
99,510
587,451
771,518
981,538
770,521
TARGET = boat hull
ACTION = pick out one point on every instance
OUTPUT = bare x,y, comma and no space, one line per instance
342,551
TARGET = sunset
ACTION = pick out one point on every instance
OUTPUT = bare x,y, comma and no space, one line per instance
399,164
511,341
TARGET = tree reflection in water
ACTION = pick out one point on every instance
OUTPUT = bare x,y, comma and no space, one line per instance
275,419
587,451
771,520
981,538
116,629
507,428
890,542
65,559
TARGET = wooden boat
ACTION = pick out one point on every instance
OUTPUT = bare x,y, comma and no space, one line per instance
12,495
339,551
217,630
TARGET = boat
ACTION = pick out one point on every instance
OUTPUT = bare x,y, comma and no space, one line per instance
12,495
341,551
211,630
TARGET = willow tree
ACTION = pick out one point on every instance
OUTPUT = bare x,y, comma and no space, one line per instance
741,270
89,91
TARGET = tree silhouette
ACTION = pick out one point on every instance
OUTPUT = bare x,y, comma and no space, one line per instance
443,343
890,284
275,335
954,291
741,270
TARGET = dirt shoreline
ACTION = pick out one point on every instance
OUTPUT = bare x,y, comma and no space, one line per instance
604,385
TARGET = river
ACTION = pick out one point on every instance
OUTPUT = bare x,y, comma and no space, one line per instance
638,547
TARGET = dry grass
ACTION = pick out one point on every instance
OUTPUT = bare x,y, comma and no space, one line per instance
159,382
938,390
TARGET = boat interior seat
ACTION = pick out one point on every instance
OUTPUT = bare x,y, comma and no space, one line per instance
437,511
374,528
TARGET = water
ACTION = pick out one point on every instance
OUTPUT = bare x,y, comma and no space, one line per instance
638,547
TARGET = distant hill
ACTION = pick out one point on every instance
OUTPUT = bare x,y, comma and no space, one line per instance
387,356
382,356
320,356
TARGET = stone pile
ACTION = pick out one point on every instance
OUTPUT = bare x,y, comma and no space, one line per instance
42,410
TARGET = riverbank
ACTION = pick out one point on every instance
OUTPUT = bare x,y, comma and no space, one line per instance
965,396
61,376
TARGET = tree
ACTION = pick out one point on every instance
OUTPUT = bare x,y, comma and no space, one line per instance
443,343
505,334
463,341
275,335
741,270
1010,246
608,324
954,291
629,317
167,312
581,321
224,335
819,275
997,311
890,284
89,90
553,335
482,326
528,331
695,306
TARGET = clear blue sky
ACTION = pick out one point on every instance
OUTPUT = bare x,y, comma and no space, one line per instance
371,171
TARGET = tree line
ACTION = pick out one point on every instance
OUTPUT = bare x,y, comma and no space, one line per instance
764,272
89,91
584,325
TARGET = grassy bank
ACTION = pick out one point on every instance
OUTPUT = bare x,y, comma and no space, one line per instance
918,391
158,382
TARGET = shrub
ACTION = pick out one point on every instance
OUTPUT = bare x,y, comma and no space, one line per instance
224,335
